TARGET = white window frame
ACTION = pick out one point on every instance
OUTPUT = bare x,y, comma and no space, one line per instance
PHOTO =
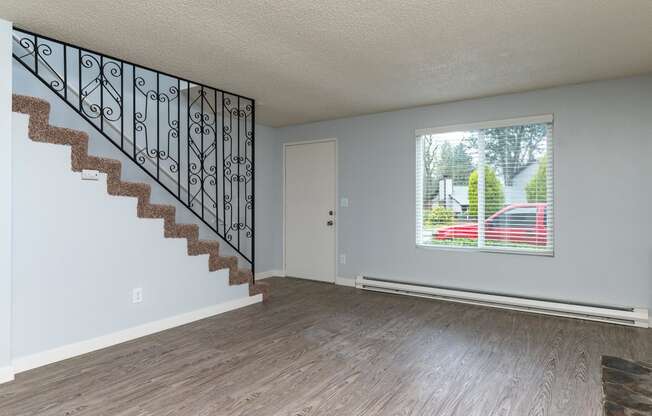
550,208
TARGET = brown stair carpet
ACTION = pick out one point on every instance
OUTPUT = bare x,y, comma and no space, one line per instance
41,131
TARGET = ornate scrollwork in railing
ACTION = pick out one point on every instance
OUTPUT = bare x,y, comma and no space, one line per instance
196,141
99,88
237,167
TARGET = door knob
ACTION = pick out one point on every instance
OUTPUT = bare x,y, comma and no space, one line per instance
329,223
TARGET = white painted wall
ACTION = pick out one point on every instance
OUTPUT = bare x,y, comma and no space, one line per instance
5,200
603,139
79,252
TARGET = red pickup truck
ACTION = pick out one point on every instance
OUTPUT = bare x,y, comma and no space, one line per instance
516,223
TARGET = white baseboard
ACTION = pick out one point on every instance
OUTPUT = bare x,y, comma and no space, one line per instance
269,273
345,281
6,374
342,281
29,362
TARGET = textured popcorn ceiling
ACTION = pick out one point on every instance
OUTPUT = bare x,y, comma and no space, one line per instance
307,60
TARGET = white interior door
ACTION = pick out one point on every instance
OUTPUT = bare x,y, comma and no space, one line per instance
310,181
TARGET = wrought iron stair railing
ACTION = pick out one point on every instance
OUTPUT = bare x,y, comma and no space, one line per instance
196,141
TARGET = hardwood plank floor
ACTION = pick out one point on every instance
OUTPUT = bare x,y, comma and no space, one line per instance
319,349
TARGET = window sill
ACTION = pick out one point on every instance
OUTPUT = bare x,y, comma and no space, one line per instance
491,250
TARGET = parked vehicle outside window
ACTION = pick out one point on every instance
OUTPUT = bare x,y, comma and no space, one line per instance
519,224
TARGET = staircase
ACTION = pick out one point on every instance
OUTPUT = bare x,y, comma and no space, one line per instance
194,141
41,131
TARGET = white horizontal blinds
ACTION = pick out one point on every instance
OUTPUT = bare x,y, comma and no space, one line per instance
419,191
487,187
550,212
446,160
516,191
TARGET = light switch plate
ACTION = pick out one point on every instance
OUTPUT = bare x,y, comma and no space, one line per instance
90,175
344,202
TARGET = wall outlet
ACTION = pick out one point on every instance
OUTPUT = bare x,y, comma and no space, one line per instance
342,258
90,175
137,295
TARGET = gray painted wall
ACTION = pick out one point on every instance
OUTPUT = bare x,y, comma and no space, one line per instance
603,148
269,200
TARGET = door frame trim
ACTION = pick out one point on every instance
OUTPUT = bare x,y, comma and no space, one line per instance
335,199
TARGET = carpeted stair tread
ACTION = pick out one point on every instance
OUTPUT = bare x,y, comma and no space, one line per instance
103,164
199,247
240,277
224,262
157,211
112,168
67,136
259,288
40,130
135,189
39,114
246,274
188,231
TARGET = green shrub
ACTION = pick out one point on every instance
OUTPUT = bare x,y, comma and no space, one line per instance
537,189
494,197
439,216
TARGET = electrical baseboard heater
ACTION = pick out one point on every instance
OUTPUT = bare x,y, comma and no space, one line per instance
612,314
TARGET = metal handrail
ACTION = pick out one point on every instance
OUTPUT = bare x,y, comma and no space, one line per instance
172,141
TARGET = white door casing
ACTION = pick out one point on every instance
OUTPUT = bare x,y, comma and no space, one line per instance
310,172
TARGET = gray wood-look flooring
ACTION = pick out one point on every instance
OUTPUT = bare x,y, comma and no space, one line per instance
319,349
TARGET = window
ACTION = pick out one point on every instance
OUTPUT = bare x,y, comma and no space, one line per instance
487,186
